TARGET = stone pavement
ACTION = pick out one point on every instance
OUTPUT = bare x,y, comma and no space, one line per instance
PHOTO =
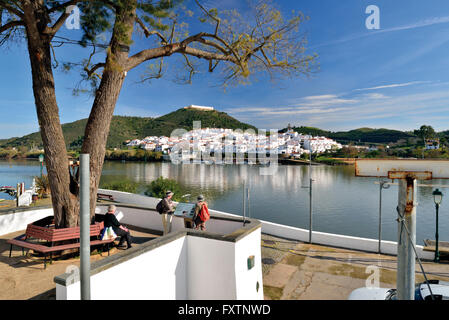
24,277
295,270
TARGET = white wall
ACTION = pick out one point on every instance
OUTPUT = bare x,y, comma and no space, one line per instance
158,274
152,220
210,273
343,241
246,280
337,240
131,198
17,221
189,268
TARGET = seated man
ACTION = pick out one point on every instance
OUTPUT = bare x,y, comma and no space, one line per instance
111,221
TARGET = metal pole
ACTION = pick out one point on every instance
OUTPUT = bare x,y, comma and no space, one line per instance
381,184
244,202
310,210
247,193
437,253
310,197
85,226
407,202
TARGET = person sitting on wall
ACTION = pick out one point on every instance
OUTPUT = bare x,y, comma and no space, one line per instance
166,208
201,214
111,221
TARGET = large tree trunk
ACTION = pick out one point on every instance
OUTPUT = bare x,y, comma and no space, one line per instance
97,128
65,203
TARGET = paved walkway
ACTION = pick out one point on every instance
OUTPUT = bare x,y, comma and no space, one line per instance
291,270
300,271
24,277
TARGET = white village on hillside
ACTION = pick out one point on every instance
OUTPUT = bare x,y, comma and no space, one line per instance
220,140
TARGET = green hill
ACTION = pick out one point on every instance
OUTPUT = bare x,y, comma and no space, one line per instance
371,135
127,128
183,118
368,135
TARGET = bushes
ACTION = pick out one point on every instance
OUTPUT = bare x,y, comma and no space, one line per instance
329,161
42,186
160,186
8,153
133,155
123,185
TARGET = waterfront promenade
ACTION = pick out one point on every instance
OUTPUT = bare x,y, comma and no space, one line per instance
296,270
291,270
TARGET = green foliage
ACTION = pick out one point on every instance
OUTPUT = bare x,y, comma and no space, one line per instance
425,132
8,153
161,185
133,155
358,135
122,185
183,119
42,186
329,161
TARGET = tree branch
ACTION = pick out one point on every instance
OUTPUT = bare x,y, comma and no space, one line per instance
11,9
74,2
91,71
149,33
51,31
217,20
168,50
10,25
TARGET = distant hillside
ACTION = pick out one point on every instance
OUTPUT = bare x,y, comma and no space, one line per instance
371,135
183,118
358,135
126,128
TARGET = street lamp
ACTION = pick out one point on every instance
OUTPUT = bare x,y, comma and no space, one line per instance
383,184
41,160
437,198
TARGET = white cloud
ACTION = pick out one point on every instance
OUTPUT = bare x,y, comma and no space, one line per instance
374,96
322,97
419,24
373,109
394,85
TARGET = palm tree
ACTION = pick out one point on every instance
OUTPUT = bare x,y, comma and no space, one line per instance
42,186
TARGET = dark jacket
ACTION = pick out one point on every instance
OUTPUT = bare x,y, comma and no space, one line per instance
111,221
168,206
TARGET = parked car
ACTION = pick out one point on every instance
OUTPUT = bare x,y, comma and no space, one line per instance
440,291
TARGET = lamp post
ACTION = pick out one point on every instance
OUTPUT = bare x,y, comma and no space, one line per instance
437,198
383,184
41,160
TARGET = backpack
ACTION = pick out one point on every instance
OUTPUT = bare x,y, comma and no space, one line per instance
160,207
204,213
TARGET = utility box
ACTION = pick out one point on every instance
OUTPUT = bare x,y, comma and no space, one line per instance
250,262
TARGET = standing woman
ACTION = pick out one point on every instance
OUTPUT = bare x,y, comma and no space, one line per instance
201,214
167,210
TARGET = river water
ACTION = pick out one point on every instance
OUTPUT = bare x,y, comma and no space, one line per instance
342,203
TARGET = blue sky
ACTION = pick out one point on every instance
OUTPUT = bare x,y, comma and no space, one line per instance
396,77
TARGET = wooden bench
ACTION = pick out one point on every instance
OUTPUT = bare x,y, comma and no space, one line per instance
105,196
40,230
430,245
